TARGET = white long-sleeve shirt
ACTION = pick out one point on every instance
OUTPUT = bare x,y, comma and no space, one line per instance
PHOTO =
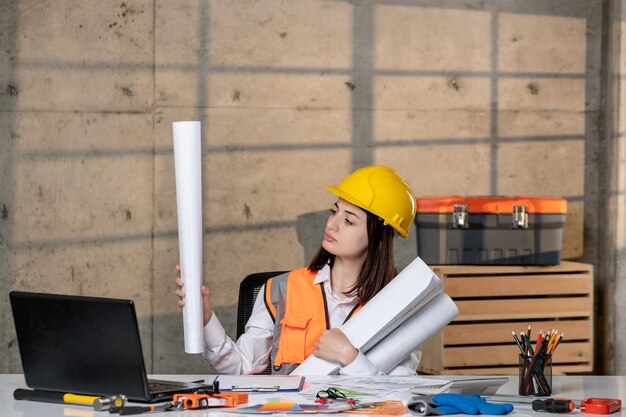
250,354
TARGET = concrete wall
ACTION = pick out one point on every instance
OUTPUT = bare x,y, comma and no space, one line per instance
461,97
614,330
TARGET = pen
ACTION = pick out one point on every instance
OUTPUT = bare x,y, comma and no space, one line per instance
53,397
255,388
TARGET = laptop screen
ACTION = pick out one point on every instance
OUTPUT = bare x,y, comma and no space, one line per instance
77,344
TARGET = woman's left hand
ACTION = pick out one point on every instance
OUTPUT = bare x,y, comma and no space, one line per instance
334,346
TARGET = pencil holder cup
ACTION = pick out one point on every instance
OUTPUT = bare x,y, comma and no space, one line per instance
535,375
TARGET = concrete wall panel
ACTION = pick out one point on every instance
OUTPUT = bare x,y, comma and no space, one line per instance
233,127
59,88
62,164
94,57
430,38
93,32
541,94
551,168
549,44
398,125
255,90
540,123
432,93
244,33
286,33
440,170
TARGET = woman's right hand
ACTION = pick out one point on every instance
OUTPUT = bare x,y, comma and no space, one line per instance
207,311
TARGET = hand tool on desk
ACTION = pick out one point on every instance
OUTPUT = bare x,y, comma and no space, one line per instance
554,405
99,403
131,410
199,399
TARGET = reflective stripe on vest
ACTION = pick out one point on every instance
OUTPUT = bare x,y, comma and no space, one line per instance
300,313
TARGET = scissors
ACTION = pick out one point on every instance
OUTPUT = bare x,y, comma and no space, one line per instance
323,396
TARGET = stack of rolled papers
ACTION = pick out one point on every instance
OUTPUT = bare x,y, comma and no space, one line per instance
402,316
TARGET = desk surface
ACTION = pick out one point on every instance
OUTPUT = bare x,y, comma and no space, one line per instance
573,387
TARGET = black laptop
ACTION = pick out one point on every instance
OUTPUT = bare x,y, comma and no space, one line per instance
85,345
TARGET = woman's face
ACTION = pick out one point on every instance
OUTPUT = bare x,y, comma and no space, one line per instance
346,231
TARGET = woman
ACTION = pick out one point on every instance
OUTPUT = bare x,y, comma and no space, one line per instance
299,313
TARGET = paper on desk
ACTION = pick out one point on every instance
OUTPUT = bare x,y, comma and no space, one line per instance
401,342
367,387
188,171
398,301
256,382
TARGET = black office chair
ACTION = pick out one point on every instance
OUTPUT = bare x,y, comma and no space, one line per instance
248,291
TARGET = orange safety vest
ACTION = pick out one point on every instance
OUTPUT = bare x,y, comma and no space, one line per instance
298,308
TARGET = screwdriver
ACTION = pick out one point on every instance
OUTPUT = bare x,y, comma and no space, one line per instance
554,405
127,411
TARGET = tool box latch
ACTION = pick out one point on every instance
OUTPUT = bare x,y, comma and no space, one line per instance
459,218
520,217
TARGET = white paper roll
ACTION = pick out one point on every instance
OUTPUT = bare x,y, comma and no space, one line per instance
188,169
423,325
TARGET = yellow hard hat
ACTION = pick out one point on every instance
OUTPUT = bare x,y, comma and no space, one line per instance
381,191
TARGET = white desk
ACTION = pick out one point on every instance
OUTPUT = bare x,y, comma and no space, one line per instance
573,387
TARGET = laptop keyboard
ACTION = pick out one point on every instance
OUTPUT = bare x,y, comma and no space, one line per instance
159,387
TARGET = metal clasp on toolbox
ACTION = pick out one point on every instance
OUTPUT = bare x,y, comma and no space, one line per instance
520,217
459,217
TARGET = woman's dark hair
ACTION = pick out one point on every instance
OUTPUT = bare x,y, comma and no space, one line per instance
377,270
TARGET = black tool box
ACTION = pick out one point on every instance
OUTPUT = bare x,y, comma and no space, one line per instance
516,230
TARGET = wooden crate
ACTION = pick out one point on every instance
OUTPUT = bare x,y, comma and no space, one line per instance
495,300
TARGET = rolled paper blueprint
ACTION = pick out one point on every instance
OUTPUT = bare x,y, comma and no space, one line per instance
398,301
188,169
394,348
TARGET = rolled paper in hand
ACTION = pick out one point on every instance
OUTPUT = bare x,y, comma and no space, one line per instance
188,170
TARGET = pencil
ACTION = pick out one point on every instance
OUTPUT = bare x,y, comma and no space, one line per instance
552,339
519,345
530,348
556,343
528,331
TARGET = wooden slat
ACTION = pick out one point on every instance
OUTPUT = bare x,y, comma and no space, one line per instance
517,285
567,267
503,309
485,333
508,355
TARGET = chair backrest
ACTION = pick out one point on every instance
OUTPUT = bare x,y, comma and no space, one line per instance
248,291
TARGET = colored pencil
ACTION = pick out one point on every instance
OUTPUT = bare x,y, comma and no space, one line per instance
519,344
556,343
530,348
